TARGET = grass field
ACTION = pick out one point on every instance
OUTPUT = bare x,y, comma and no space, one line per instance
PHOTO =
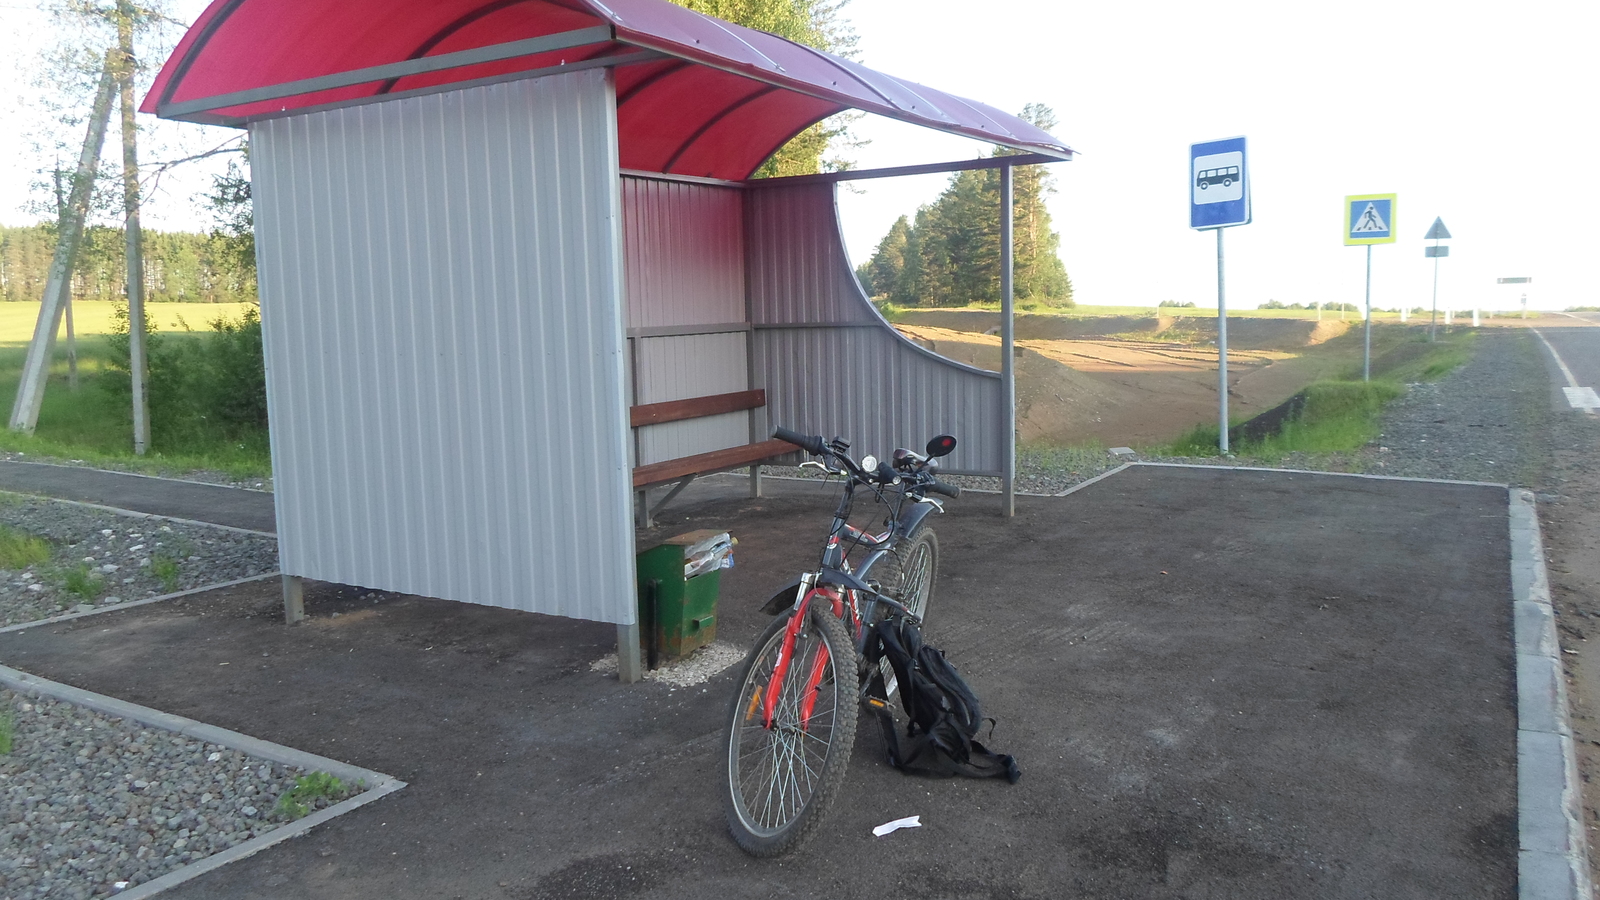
1084,311
92,317
91,424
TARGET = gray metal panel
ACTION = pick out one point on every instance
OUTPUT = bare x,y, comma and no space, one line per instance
683,253
678,368
441,301
868,384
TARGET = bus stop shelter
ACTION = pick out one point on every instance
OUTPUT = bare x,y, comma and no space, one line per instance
486,231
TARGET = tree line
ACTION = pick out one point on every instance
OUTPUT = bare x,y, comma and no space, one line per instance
179,267
949,255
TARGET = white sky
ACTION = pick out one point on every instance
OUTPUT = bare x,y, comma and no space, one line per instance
1481,114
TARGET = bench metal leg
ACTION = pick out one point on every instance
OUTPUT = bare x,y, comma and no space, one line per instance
755,480
641,509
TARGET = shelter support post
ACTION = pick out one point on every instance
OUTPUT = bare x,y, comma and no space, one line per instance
294,599
630,668
1008,362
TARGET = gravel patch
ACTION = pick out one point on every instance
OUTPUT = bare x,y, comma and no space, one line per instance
99,558
93,805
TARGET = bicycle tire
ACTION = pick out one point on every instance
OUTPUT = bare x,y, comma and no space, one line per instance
772,806
910,571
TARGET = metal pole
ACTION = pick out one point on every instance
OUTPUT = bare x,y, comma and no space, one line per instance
1366,353
36,367
131,230
1008,366
1222,353
1433,324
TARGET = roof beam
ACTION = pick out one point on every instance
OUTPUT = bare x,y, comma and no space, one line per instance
960,165
493,53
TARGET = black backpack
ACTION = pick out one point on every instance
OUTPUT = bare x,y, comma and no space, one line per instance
943,711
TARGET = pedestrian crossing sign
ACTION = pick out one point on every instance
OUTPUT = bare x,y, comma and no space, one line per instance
1369,219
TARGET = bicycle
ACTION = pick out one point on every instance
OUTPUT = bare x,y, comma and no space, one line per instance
788,745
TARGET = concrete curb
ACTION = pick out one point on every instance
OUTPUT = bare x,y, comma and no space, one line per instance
378,784
24,626
1553,852
1167,465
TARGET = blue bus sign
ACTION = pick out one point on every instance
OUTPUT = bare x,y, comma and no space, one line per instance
1219,184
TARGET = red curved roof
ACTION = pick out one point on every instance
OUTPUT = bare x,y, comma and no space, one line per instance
695,95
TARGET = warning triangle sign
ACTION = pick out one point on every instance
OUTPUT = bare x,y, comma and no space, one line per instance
1369,221
1438,232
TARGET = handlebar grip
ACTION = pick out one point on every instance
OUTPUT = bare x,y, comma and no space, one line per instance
811,443
949,490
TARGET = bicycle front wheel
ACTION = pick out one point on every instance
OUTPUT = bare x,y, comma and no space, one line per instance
783,777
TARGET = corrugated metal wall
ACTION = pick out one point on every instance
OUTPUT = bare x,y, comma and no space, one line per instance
441,295
831,365
687,328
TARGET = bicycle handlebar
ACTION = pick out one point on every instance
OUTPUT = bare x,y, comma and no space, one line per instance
811,443
949,490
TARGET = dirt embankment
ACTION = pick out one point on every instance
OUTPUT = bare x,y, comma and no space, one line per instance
1243,333
1095,388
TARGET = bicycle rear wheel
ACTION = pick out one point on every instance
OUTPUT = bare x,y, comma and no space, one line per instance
783,778
908,572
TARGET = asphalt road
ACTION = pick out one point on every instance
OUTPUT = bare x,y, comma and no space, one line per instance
1575,342
235,508
1218,684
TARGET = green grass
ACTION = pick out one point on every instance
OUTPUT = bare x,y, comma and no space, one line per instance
19,549
1342,415
91,425
8,728
296,802
79,580
165,568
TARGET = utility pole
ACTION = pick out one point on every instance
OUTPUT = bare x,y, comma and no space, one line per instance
36,367
134,235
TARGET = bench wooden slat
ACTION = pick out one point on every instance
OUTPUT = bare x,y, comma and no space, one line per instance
695,407
716,460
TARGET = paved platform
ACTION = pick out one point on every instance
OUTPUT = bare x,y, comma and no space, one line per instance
219,505
1218,684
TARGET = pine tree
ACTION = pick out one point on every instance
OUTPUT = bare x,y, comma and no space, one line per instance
951,255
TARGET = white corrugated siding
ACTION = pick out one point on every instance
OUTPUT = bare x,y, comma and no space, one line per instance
441,299
865,383
685,270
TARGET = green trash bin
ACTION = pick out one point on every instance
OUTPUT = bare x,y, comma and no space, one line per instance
678,612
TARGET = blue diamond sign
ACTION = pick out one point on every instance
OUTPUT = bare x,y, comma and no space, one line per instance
1219,184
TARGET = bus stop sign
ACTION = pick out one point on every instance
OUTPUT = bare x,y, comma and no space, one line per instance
1219,184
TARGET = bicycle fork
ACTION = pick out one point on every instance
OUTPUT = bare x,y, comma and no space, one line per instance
791,634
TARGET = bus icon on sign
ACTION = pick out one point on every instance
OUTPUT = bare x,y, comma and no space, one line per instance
1224,176
1217,178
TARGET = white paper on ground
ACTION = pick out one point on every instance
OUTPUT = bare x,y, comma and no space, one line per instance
897,824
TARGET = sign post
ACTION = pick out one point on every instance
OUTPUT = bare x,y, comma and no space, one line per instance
1436,234
1219,197
1368,220
1520,280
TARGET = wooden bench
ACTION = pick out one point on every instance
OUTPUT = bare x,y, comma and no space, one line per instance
686,469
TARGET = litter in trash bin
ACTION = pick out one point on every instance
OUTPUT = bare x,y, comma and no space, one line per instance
897,824
715,552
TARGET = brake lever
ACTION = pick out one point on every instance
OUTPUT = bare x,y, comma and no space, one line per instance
937,504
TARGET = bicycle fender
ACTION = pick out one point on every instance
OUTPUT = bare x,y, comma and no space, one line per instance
912,518
783,599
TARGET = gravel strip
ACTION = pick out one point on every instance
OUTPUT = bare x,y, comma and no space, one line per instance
99,558
93,805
